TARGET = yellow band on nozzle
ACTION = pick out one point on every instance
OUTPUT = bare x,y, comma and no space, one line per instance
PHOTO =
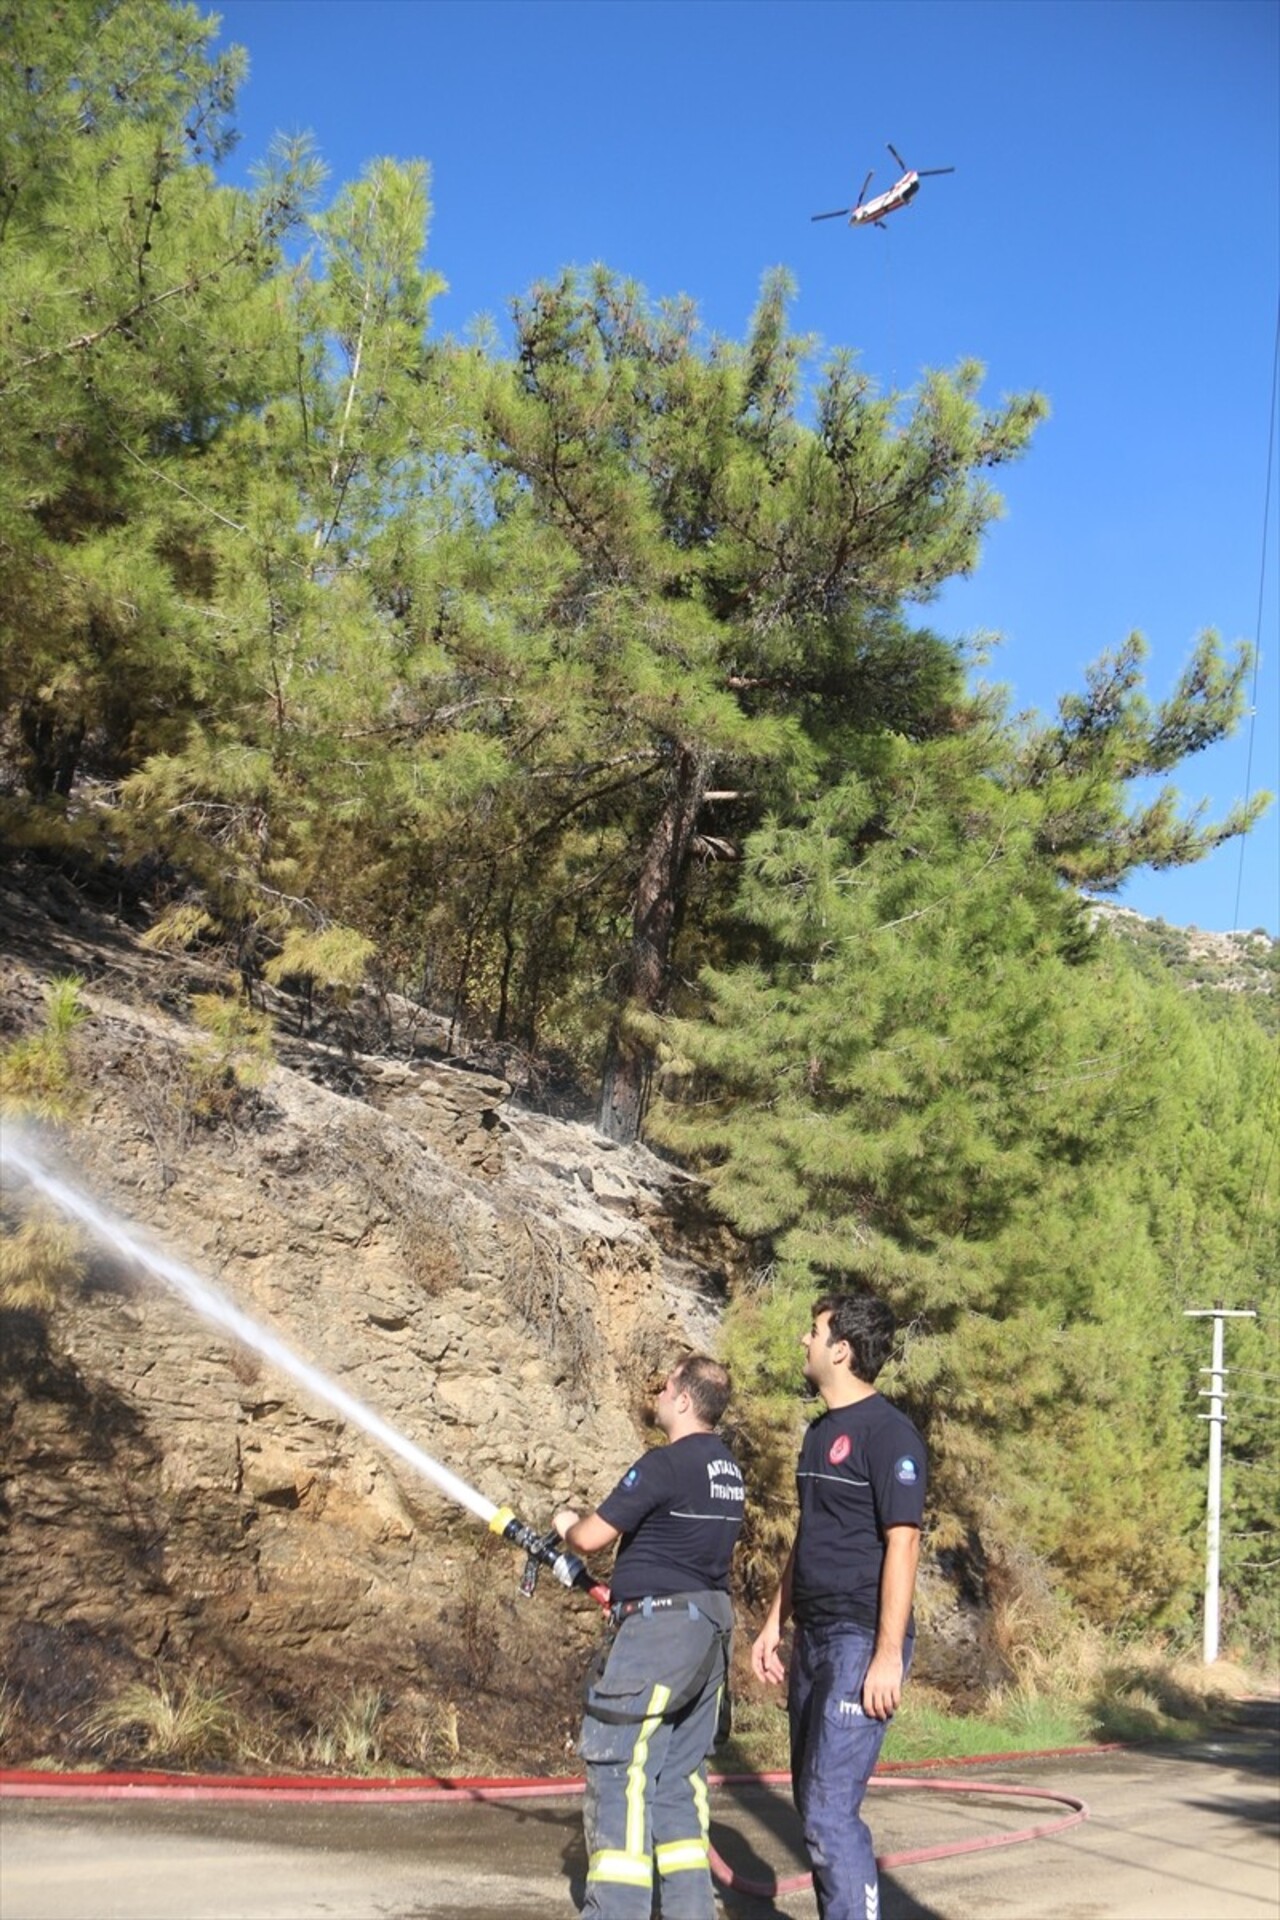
501,1520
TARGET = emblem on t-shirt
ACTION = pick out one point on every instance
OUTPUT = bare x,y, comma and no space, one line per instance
841,1448
631,1476
907,1471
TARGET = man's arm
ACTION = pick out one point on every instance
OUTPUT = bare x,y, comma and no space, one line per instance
765,1663
882,1688
587,1533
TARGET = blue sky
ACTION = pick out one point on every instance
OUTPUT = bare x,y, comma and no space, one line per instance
1111,236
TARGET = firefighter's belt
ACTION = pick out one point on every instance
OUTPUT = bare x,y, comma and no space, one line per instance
620,1684
655,1603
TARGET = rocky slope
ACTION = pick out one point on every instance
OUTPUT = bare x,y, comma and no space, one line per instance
501,1286
1246,963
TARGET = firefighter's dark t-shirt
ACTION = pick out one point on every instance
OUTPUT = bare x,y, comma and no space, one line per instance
679,1510
862,1468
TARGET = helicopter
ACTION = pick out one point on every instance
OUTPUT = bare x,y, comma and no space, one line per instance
872,213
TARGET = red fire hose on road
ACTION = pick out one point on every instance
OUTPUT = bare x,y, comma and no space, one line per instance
19,1784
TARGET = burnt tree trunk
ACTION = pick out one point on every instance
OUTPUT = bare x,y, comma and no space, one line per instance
628,1069
50,750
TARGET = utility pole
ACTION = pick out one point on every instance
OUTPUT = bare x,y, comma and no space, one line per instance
1215,1393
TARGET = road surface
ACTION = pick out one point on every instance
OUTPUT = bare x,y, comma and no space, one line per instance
1187,1833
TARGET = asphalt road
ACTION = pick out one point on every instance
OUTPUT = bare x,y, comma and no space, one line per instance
1191,1833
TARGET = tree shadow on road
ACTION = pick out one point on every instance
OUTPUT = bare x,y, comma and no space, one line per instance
761,1845
1247,1741
760,1840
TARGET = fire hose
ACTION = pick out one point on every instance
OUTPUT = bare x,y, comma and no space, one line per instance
18,1784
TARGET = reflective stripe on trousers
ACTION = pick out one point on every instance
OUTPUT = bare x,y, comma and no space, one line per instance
646,1808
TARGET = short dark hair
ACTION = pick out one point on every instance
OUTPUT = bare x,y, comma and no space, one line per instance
866,1322
707,1384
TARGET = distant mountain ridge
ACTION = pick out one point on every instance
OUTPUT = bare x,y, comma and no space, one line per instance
1237,962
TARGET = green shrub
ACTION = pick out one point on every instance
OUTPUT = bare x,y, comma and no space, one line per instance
232,1059
38,1073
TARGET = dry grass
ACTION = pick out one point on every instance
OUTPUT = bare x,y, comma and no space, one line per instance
441,1734
163,1719
352,1735
429,1252
1116,1689
38,1260
1144,1694
556,1304
429,1739
363,1732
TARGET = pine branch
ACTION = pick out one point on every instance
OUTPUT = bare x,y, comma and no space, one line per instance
325,534
123,321
649,754
158,473
887,926
575,806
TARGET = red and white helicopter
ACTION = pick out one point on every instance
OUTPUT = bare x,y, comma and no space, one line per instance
872,213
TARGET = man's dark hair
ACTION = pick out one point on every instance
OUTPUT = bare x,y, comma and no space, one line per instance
866,1323
707,1384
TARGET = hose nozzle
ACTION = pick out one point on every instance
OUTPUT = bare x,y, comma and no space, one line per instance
541,1550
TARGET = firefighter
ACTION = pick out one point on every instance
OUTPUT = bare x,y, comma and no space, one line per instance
654,1692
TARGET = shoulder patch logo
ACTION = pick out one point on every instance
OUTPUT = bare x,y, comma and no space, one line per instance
906,1471
631,1476
841,1448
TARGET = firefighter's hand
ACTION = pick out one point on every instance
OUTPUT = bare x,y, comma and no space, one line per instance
765,1663
882,1688
565,1518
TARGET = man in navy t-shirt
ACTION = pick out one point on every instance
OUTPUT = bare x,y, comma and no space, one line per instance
652,1702
848,1582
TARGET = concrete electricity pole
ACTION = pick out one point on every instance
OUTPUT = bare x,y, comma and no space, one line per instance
1215,1393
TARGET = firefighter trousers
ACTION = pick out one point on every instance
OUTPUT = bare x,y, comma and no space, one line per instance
649,1724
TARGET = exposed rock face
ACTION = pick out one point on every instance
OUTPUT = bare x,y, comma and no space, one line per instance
489,1281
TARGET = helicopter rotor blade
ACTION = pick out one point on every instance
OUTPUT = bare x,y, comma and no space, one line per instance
926,173
839,214
862,190
897,156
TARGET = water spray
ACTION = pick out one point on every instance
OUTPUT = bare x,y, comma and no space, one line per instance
541,1550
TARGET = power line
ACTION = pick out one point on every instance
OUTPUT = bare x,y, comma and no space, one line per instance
1260,1174
1262,577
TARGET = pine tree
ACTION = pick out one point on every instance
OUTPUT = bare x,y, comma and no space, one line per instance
135,322
937,1077
1081,767
730,581
304,757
